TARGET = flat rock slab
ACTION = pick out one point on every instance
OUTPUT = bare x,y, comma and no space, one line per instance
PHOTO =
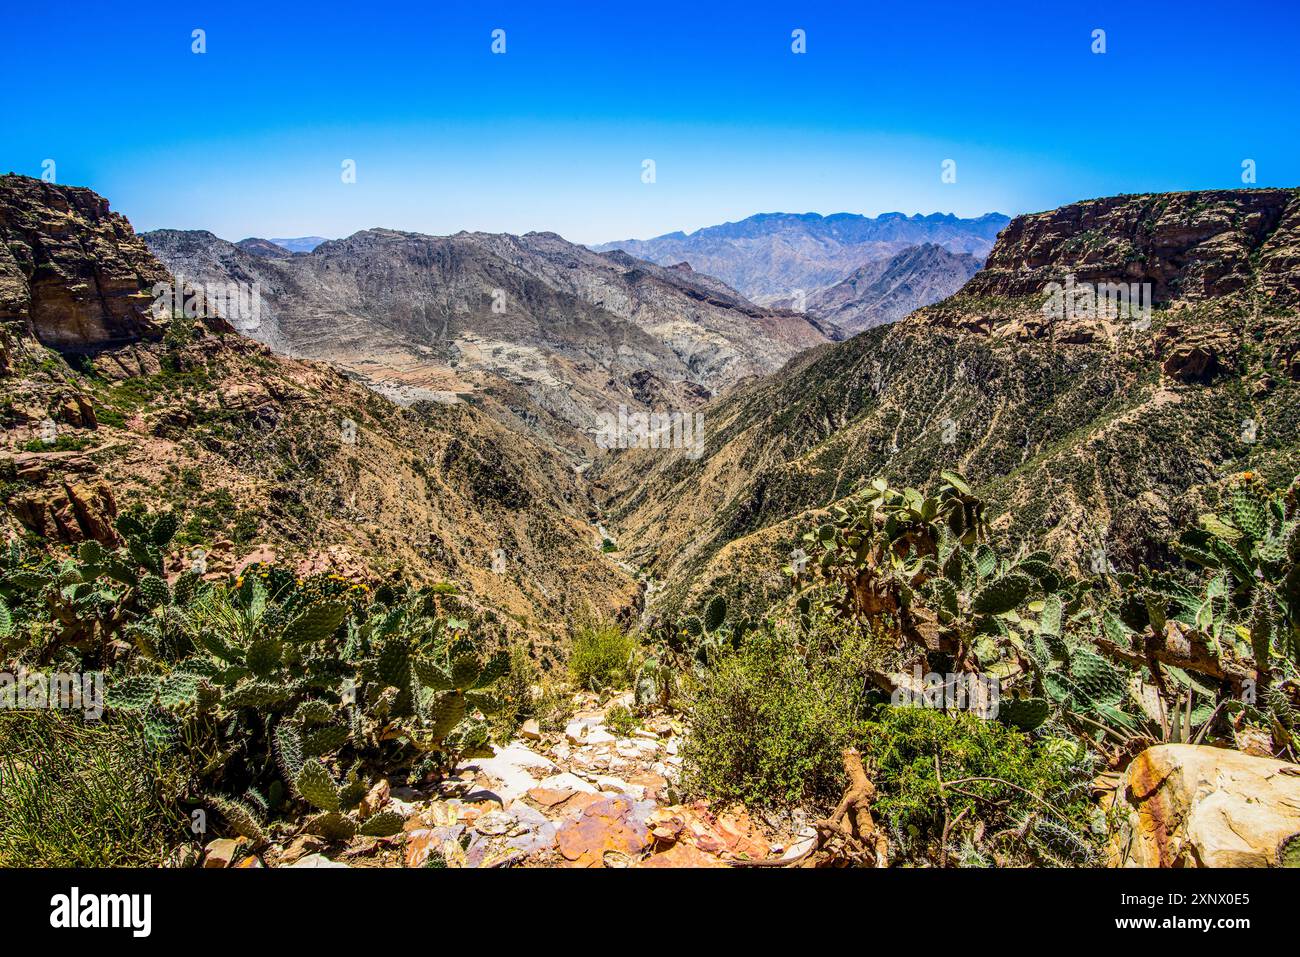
682,855
513,770
610,826
567,781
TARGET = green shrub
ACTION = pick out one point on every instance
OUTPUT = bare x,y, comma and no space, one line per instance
769,720
555,707
83,794
515,691
64,442
602,656
111,417
1038,787
620,720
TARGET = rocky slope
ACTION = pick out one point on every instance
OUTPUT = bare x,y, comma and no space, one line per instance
108,408
570,332
771,255
886,290
1091,433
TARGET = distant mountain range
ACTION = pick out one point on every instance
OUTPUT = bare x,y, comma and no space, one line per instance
773,256
271,247
557,334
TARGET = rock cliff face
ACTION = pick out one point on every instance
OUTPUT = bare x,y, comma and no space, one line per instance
74,273
769,256
1090,435
1189,246
572,332
259,454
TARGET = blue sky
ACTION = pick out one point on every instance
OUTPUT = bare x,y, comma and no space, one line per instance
249,137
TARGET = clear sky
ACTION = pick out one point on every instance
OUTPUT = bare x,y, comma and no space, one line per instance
249,138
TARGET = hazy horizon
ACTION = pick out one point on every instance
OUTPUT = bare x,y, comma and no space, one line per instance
287,237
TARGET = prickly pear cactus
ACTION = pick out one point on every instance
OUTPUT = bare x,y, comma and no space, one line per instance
1024,713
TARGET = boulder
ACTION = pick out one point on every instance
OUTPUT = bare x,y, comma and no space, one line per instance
608,832
1192,806
1192,362
70,514
223,852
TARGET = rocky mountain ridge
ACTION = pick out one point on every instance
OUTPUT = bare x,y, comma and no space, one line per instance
571,333
73,274
886,290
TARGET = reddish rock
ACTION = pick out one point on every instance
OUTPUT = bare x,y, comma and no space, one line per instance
76,410
682,855
606,825
549,797
731,834
75,512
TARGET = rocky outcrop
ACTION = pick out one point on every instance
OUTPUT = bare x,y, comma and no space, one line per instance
1189,246
1190,806
70,511
74,274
